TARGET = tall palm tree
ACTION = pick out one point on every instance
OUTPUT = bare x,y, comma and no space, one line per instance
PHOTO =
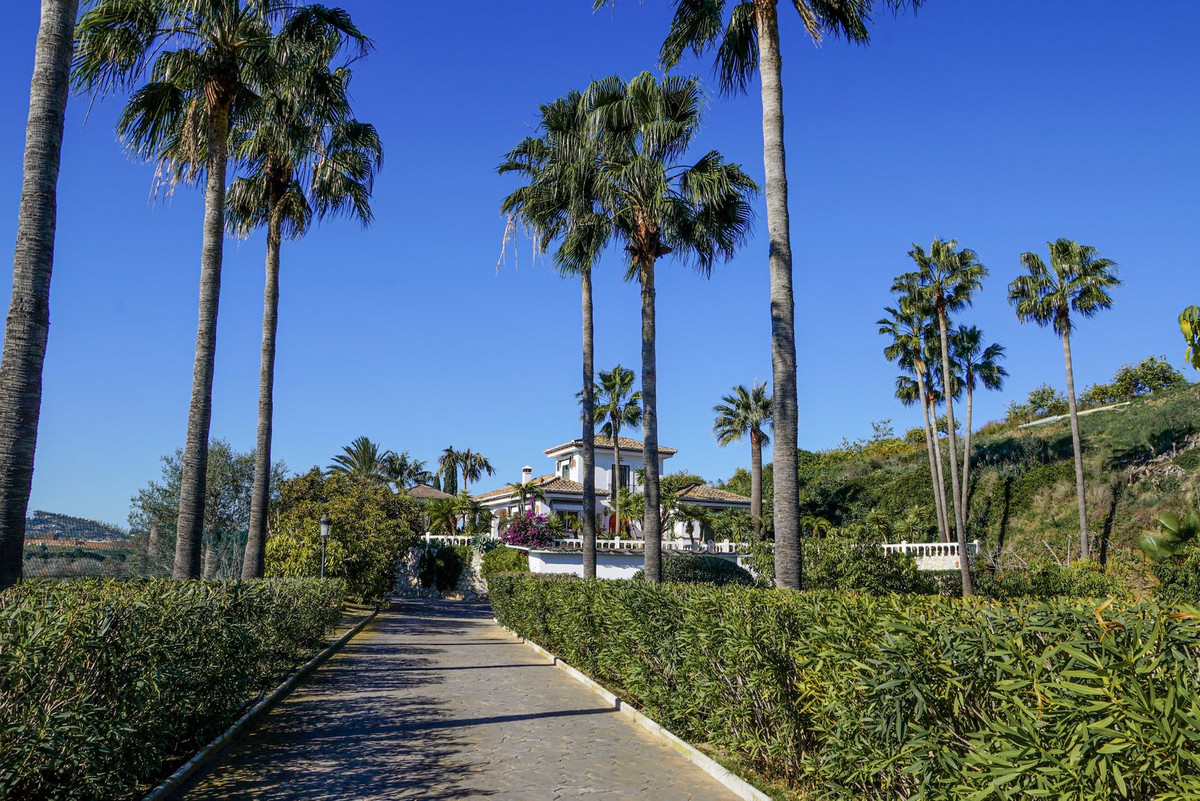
448,470
362,459
659,205
746,412
908,324
473,466
747,40
560,204
207,60
978,365
617,406
949,277
29,310
404,472
1078,280
527,491
305,157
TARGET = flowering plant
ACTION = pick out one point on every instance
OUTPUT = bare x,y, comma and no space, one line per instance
527,530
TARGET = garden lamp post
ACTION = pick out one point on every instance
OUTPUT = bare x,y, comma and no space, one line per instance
326,525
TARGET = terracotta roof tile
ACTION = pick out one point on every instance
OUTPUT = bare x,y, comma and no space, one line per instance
703,492
626,443
549,483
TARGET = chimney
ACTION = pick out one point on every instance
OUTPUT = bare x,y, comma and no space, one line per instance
526,474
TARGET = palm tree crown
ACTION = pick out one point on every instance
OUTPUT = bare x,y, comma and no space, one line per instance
745,412
617,405
362,459
1078,280
978,364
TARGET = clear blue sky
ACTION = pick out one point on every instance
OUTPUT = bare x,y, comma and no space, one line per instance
1001,124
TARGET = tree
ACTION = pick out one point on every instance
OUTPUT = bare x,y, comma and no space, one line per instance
746,40
474,466
658,205
527,491
1043,401
978,365
206,61
1189,326
909,324
561,203
617,406
1078,280
404,472
448,470
949,277
362,459
746,412
28,322
304,157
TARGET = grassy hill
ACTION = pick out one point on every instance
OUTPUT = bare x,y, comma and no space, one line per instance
54,526
1140,461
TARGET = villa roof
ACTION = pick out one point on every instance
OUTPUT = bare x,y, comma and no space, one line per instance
625,443
551,483
703,492
423,491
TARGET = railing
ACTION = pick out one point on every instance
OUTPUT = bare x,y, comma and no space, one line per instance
576,543
920,550
447,539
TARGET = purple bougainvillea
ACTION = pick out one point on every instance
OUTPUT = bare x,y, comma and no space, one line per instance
527,530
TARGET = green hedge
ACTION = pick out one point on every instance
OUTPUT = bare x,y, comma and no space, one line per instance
105,685
845,695
694,568
503,560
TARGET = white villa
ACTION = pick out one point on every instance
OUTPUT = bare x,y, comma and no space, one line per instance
563,490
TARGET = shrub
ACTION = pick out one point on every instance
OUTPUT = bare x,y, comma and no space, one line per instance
843,563
701,569
503,560
847,695
1047,579
106,685
1179,577
1189,460
442,565
529,531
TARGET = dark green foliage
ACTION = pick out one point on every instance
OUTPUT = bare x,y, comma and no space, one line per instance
1189,460
1046,579
842,563
1179,577
1043,401
442,565
847,695
105,685
701,569
503,560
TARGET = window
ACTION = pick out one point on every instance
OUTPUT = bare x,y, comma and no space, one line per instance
565,472
625,476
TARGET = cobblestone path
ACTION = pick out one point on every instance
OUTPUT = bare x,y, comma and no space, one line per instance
435,701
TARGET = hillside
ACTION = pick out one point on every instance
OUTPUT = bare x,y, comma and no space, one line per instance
52,526
1140,461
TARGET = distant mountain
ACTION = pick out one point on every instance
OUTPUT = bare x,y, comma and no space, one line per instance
52,526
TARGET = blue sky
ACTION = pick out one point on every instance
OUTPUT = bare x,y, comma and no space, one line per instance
1003,125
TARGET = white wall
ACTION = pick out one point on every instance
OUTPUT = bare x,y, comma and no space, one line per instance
609,564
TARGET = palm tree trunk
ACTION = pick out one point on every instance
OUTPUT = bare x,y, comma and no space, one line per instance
934,463
964,564
783,315
190,525
615,484
589,430
209,566
33,260
256,539
651,522
939,480
756,483
966,476
1084,549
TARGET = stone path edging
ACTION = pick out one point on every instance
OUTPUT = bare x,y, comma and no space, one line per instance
176,779
734,783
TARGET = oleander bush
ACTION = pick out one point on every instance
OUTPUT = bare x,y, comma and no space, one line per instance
503,560
848,695
693,568
1047,579
849,563
106,685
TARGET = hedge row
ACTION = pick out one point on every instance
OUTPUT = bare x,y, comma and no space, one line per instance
105,684
845,695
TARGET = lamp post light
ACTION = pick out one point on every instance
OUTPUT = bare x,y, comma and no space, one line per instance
326,525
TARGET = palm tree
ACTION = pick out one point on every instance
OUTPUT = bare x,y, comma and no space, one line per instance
948,277
658,205
977,365
404,472
473,466
746,40
746,412
617,406
908,324
362,459
443,515
560,203
305,157
1078,280
448,470
527,491
207,60
29,310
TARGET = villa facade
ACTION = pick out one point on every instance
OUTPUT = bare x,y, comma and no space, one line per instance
563,490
